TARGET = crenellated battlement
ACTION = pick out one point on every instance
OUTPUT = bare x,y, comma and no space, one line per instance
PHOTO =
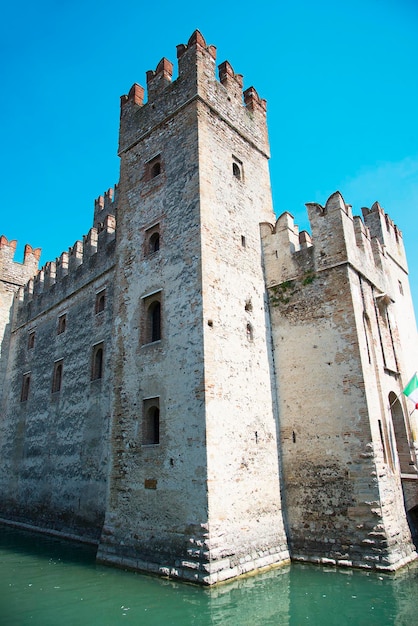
105,205
385,230
245,110
160,78
83,260
12,271
337,237
72,264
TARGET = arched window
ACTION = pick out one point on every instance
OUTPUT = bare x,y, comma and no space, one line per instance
236,170
97,362
154,243
100,301
152,325
151,422
152,240
57,376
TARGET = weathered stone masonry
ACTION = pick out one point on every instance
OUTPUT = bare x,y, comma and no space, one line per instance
201,401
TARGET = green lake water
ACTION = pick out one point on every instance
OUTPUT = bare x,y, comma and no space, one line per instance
48,582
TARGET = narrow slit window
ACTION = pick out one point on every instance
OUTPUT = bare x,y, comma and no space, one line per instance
236,171
151,422
62,324
100,301
155,321
31,340
154,243
156,169
24,394
57,376
97,362
152,330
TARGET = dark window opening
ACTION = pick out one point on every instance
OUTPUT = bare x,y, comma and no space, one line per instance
97,362
31,340
24,394
155,321
154,243
250,332
57,377
236,171
151,424
152,319
100,301
62,324
155,169
243,242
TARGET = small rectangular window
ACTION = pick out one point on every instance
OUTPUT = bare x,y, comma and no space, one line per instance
153,167
24,394
57,376
62,324
151,422
31,340
100,301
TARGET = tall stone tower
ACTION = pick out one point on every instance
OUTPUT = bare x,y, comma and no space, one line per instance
194,486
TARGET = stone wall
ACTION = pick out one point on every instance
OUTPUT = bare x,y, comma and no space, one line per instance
55,420
337,360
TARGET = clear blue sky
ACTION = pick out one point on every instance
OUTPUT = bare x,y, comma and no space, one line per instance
340,79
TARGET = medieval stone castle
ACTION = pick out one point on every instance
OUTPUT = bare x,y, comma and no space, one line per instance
197,387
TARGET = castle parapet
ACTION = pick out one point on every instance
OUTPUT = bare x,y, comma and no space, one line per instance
76,256
10,270
72,267
38,283
384,229
245,110
253,102
135,95
105,205
49,274
62,265
337,237
231,81
90,242
160,79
